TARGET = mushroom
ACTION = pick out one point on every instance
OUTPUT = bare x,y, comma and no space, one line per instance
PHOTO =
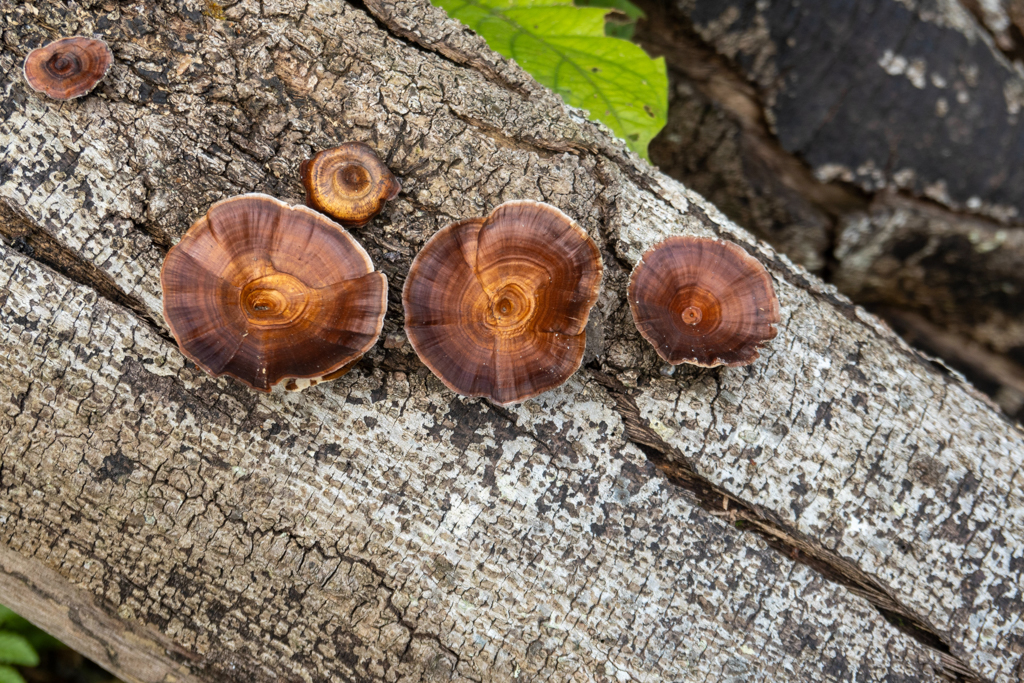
348,183
703,301
266,292
498,306
69,67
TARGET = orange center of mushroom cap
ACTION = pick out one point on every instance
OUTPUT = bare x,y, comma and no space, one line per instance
692,315
511,309
352,180
63,64
699,310
274,300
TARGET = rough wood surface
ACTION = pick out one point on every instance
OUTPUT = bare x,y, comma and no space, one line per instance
944,121
138,654
962,274
379,527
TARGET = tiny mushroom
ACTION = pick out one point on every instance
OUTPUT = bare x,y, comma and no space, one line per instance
267,292
703,301
348,183
69,67
498,306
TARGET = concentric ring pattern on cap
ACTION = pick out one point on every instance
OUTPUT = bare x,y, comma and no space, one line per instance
264,291
349,183
69,67
703,301
497,306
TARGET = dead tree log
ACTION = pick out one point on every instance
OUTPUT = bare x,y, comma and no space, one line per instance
840,510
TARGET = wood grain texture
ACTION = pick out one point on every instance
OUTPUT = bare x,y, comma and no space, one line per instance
382,528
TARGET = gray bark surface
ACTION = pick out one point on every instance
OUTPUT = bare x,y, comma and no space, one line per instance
379,527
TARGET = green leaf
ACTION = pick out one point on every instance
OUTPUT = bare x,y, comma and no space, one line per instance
14,649
39,640
9,675
565,48
622,22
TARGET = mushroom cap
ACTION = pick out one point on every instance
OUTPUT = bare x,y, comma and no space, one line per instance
349,183
498,306
703,301
264,292
69,67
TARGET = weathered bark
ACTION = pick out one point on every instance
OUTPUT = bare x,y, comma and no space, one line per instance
379,527
964,275
932,107
1005,21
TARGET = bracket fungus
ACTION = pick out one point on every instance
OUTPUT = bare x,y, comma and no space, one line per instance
703,301
498,306
267,292
68,68
348,183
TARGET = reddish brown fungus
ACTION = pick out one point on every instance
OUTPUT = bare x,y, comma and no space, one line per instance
703,301
497,306
349,183
267,292
69,67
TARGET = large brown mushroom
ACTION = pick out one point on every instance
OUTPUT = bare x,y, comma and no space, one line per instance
69,67
349,183
497,306
264,292
703,301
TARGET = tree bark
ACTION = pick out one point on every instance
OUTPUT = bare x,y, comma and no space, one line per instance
840,510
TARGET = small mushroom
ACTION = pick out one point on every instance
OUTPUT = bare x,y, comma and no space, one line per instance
348,183
267,292
498,306
703,301
69,67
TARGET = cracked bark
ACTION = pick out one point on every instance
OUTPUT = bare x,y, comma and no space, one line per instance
378,527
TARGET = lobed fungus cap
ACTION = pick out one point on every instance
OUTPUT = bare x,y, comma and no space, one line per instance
498,306
349,183
265,292
69,67
703,301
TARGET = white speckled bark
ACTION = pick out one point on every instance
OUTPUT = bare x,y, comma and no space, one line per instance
379,527
375,527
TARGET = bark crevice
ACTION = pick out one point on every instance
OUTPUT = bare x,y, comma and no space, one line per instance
34,242
675,466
